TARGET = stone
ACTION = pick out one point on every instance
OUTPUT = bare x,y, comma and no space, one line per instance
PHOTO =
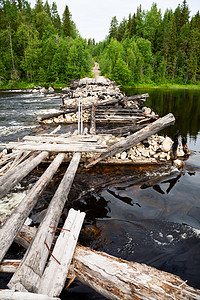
180,152
146,110
123,155
178,163
166,144
50,89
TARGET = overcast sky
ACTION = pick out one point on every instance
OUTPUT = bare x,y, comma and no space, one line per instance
93,17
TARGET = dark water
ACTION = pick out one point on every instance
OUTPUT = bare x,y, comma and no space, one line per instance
158,225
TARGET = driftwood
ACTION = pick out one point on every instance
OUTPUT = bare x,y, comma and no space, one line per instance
32,266
11,295
55,275
19,172
115,278
12,225
134,139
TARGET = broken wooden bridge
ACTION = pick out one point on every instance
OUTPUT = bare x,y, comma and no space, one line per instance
47,263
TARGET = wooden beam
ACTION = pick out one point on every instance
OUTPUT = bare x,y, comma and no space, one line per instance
29,273
55,275
13,224
55,147
11,295
19,172
133,139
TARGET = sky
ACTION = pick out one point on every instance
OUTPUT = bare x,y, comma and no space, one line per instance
93,17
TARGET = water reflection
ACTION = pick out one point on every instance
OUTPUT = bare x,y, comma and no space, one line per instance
183,103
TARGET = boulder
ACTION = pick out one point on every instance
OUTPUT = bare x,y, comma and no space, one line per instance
166,144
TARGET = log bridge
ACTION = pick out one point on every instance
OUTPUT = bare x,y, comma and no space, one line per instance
51,260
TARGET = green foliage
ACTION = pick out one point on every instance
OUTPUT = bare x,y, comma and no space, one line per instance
36,47
155,49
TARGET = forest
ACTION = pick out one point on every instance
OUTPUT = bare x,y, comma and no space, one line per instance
146,48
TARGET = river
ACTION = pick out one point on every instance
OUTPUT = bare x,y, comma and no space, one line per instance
158,225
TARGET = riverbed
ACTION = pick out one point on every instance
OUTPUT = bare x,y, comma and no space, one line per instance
158,224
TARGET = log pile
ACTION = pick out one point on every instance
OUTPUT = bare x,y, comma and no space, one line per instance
110,104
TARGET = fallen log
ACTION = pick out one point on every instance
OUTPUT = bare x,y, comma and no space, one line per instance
55,275
13,224
28,275
11,295
19,172
115,278
133,139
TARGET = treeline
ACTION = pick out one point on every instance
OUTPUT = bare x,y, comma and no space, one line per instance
153,49
37,46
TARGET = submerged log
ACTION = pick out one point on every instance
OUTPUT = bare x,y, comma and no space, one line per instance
133,139
115,278
13,224
29,273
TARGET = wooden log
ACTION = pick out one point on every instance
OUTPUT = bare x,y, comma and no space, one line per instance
20,172
115,278
15,170
72,147
13,224
83,140
32,266
93,121
134,139
11,295
55,275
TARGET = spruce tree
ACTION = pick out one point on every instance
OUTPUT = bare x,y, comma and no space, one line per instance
67,23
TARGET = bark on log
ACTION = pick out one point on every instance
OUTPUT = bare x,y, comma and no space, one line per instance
20,172
11,295
55,275
31,269
13,224
134,139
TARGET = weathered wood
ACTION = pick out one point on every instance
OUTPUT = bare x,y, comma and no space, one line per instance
134,139
93,121
13,224
31,269
118,279
11,295
15,170
20,172
55,275
82,140
55,147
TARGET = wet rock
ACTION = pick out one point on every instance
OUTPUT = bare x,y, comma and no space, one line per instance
178,163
